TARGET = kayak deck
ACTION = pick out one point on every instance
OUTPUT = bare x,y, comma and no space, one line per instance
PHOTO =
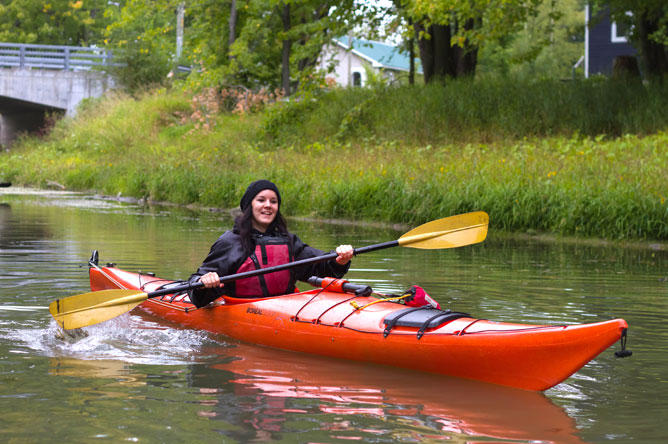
324,322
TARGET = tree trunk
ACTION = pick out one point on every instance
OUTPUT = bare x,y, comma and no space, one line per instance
625,68
180,13
287,44
467,57
443,64
654,55
314,16
411,55
426,52
439,58
433,50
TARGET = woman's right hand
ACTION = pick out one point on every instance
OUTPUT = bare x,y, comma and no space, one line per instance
211,280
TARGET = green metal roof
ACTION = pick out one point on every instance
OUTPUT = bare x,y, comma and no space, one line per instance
382,55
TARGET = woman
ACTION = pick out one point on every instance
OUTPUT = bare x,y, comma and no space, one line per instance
260,239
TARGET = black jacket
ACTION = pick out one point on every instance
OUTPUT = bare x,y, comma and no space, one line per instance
227,254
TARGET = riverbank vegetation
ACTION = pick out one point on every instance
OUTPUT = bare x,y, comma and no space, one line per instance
577,158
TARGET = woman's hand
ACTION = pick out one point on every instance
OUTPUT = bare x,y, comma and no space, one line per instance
211,280
345,253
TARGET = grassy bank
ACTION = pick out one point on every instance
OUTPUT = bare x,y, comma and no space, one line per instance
533,156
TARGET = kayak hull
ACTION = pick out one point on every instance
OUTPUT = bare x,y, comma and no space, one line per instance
321,322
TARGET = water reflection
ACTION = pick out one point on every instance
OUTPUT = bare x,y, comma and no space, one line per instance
115,374
267,393
15,230
277,385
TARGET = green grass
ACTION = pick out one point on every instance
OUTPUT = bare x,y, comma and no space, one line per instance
466,111
583,158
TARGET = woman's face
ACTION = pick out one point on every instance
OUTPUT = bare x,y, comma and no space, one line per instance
265,208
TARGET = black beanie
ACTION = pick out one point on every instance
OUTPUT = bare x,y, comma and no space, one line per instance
254,188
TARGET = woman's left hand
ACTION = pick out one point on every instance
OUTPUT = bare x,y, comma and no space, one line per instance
345,253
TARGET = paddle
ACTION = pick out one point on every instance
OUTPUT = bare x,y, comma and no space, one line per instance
98,306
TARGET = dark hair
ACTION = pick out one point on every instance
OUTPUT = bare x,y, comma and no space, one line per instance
244,225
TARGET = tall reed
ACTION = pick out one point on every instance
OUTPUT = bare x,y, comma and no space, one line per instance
465,111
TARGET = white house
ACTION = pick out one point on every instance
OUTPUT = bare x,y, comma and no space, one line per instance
350,64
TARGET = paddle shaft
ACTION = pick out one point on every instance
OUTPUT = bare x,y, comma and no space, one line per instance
252,273
314,260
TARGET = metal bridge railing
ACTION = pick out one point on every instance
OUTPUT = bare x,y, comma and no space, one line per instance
69,58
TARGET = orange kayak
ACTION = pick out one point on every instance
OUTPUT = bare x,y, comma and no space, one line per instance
331,322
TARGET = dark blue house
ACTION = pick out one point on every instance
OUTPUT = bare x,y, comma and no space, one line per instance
604,40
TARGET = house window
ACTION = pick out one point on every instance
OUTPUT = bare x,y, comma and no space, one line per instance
357,79
619,32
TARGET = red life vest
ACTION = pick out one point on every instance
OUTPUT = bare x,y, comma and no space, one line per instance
269,252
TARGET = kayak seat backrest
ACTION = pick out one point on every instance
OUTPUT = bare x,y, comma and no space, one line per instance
422,318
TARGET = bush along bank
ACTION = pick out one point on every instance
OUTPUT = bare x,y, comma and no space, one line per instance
570,183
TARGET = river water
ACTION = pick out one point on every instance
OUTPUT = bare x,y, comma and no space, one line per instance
131,379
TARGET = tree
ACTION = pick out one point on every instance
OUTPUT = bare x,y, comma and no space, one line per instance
647,21
143,36
280,42
450,32
547,46
73,23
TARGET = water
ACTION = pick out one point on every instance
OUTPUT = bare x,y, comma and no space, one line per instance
132,379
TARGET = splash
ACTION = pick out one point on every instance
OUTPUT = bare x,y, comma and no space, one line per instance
127,338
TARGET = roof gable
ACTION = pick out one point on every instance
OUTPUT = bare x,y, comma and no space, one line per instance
379,54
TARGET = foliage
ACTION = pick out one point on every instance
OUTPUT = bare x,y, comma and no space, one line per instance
496,18
450,33
533,38
280,123
548,46
257,53
73,23
142,32
206,104
250,54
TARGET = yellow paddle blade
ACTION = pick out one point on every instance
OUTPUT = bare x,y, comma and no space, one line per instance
449,232
87,309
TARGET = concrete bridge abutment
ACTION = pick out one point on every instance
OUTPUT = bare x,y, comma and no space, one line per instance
28,95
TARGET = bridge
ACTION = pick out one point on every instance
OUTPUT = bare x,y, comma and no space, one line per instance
38,80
